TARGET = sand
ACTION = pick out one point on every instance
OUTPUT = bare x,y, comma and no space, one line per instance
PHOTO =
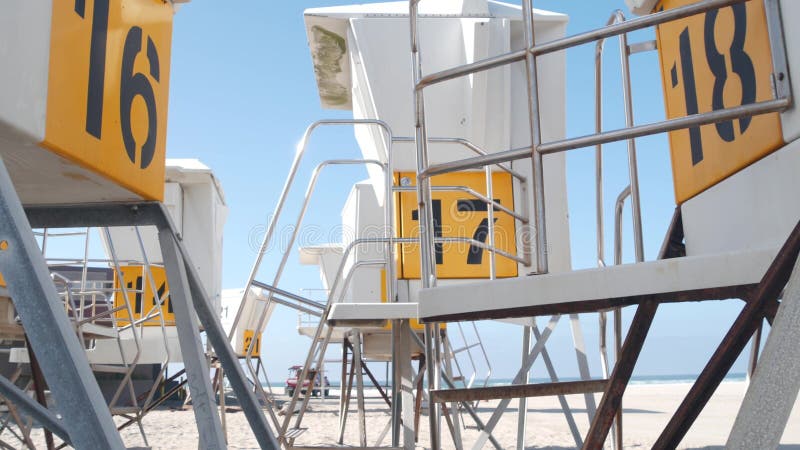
647,410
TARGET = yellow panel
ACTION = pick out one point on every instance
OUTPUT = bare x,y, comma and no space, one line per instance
720,59
248,338
415,324
2,281
135,280
461,216
108,88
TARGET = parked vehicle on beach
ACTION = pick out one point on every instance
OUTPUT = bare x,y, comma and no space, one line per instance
321,382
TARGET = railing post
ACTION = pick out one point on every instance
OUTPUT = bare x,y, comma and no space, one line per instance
539,226
426,241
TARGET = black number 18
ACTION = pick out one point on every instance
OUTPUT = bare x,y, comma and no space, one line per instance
741,65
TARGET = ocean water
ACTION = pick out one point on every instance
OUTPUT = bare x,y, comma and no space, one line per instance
641,379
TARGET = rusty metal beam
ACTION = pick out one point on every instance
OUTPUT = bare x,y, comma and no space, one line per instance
733,343
518,391
612,398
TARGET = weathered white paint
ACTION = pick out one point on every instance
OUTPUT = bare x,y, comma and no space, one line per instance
670,275
755,208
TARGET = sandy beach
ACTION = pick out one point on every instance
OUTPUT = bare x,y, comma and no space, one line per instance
648,407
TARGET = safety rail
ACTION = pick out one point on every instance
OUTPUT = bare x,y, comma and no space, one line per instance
617,27
781,93
389,240
630,191
524,218
261,322
90,301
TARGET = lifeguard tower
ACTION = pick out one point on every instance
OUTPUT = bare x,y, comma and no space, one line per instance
83,107
466,187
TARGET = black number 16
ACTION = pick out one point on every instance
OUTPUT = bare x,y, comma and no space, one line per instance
131,84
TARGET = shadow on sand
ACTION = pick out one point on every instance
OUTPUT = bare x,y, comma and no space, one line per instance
720,447
574,411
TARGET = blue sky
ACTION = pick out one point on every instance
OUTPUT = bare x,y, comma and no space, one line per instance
242,92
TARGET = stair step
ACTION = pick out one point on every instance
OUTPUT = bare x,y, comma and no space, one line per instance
108,368
125,410
95,331
314,447
293,433
465,348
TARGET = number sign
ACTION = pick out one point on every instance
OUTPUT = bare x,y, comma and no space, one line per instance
413,323
458,214
140,296
720,59
248,338
108,88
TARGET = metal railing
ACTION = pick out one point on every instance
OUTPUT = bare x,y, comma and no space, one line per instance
90,301
617,27
781,101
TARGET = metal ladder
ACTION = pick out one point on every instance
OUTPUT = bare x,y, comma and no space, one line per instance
466,349
321,338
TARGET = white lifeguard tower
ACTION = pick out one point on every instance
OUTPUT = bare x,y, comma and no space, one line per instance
464,213
83,102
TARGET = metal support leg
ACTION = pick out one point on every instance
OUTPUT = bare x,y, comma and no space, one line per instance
612,397
464,404
222,415
562,400
522,418
755,348
209,427
222,347
406,384
583,362
63,360
434,409
617,353
526,367
362,424
396,380
733,343
35,410
448,370
343,390
345,403
38,389
773,389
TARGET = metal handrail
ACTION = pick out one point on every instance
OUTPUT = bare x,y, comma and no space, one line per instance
301,149
751,109
777,104
632,190
781,100
260,325
356,266
489,193
573,41
301,215
295,297
618,206
467,190
469,145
